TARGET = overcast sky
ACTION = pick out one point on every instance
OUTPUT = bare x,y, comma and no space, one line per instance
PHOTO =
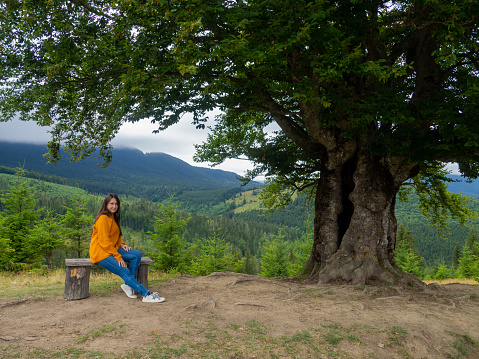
177,141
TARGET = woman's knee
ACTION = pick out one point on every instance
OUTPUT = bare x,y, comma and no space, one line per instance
136,253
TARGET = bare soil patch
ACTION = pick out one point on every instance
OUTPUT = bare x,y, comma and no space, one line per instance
239,316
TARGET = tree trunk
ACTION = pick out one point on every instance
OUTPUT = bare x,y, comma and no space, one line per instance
355,225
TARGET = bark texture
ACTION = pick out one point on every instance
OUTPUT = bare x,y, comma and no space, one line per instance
355,224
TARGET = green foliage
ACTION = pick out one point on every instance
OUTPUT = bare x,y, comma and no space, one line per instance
171,251
46,236
443,272
50,189
456,255
278,61
5,250
19,218
302,251
276,257
468,264
432,245
406,255
77,225
250,263
436,203
216,255
472,241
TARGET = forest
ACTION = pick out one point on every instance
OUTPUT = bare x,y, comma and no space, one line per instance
44,220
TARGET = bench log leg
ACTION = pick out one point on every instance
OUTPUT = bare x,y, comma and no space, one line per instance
77,282
142,275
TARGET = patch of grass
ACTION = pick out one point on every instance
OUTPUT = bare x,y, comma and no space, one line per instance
256,328
334,337
354,339
12,352
115,329
301,337
469,281
396,335
234,326
464,345
331,326
23,285
31,285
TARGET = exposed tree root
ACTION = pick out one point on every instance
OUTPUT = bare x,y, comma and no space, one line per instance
16,302
251,304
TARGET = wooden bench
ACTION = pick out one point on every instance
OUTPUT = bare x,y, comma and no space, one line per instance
77,279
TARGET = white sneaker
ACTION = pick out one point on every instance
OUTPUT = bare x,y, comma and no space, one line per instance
128,290
153,298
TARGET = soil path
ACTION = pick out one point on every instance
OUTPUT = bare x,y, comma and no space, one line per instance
429,320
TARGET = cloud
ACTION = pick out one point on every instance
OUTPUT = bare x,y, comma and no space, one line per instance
178,140
23,132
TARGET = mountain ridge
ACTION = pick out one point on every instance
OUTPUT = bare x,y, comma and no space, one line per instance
155,172
133,167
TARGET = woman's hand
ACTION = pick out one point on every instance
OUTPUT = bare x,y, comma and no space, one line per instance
125,247
121,263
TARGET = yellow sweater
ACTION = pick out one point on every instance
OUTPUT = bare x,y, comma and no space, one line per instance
105,239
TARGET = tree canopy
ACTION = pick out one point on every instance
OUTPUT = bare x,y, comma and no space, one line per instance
367,95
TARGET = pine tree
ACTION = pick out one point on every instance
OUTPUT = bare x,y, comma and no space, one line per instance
406,255
77,226
467,264
5,250
46,236
275,261
302,251
216,255
19,218
456,255
249,263
170,247
442,272
472,240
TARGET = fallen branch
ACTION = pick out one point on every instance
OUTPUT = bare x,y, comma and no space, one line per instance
256,279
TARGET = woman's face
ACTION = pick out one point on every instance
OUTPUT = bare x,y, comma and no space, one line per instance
112,205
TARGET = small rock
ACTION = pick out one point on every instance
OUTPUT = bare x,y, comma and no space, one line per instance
381,345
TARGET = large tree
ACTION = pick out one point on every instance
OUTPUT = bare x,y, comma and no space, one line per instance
368,95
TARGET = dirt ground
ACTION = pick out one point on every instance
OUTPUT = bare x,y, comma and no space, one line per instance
427,323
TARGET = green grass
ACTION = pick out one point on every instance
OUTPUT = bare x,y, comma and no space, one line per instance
396,335
463,347
17,286
111,330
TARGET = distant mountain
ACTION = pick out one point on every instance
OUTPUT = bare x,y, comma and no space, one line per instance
467,189
131,171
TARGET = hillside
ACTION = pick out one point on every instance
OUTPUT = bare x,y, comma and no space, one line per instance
209,192
131,172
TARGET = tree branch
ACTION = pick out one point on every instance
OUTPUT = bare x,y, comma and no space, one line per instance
289,127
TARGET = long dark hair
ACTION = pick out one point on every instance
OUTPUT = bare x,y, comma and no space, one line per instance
104,209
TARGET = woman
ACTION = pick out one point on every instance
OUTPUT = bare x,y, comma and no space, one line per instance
109,251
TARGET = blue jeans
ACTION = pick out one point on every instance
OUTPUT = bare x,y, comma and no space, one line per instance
128,274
